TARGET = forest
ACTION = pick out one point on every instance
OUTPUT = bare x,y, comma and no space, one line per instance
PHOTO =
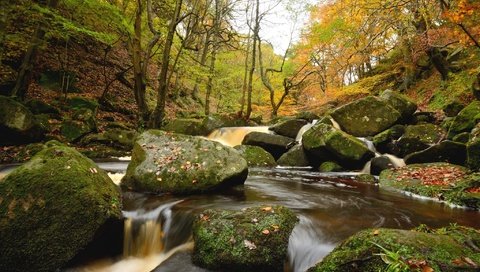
277,135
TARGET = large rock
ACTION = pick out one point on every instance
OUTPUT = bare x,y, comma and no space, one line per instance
253,239
82,122
255,155
51,208
473,149
322,141
182,164
296,156
446,151
384,141
289,128
419,137
274,144
442,181
185,126
115,137
399,102
17,123
465,120
366,117
378,164
330,166
408,250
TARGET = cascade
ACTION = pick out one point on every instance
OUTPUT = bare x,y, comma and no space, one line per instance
232,136
304,129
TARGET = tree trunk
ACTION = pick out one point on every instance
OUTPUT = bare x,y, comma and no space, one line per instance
211,72
203,61
157,118
25,74
256,29
245,76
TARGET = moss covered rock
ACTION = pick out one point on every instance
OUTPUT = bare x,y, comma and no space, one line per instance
17,123
465,120
296,156
411,250
255,155
453,108
306,115
41,107
446,151
330,166
52,207
473,149
83,121
366,117
289,128
185,126
116,138
82,103
443,181
419,137
182,164
401,103
253,239
276,145
323,140
384,141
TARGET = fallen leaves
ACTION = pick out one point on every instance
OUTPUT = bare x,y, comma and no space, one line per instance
267,209
376,232
433,175
266,231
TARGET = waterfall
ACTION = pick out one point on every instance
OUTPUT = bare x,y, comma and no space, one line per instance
304,129
232,136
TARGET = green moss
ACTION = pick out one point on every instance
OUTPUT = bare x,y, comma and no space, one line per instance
254,239
295,156
51,207
330,166
256,156
465,120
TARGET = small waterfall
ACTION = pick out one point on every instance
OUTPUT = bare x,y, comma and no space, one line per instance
232,136
335,124
396,162
304,129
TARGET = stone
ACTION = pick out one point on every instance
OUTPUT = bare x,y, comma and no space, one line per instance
52,207
17,123
366,178
419,137
39,107
255,155
296,156
473,149
453,108
252,239
371,250
288,128
399,102
384,141
185,126
322,141
181,164
306,115
82,103
114,137
216,121
378,164
366,117
276,145
465,120
83,122
330,166
446,151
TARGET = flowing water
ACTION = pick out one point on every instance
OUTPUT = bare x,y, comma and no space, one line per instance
330,206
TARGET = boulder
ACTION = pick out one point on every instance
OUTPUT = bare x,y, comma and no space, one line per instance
378,164
82,122
322,141
82,103
473,149
306,115
115,137
442,181
399,102
185,126
330,166
276,145
419,137
174,163
446,151
463,138
253,239
255,155
424,117
215,121
296,156
406,250
465,120
366,117
288,128
453,108
52,207
17,123
384,141
39,107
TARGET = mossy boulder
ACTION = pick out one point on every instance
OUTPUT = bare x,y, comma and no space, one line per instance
82,103
322,141
417,250
185,126
116,138
366,117
174,163
276,145
40,107
17,123
401,103
442,181
289,128
419,137
330,166
306,115
255,155
380,163
83,121
446,151
296,156
253,239
473,149
465,120
384,141
51,208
